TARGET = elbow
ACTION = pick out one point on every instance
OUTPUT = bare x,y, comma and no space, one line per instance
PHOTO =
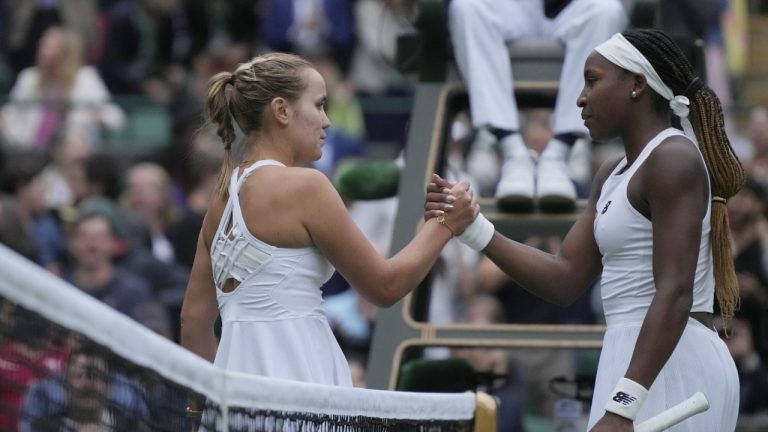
382,296
680,301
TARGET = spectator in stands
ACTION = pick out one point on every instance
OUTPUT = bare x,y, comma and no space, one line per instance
28,353
26,21
145,46
747,215
311,28
378,23
93,246
23,181
64,176
757,164
58,95
88,395
753,370
147,196
184,230
480,31
221,25
13,233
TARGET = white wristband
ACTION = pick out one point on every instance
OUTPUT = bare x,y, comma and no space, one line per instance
627,399
478,234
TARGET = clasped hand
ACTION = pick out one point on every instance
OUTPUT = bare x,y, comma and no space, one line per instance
454,200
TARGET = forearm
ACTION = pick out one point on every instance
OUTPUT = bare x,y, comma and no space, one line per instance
407,268
543,274
199,338
661,330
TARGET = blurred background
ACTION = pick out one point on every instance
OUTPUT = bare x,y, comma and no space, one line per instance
107,164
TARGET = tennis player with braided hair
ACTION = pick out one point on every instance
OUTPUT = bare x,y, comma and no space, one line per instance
275,230
655,231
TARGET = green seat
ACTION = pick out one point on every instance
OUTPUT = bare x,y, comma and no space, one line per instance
452,375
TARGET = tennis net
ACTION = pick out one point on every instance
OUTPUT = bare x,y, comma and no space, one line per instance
70,363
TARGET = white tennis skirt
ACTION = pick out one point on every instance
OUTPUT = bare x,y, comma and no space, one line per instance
700,363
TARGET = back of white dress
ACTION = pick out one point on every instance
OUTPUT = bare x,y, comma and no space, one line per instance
273,322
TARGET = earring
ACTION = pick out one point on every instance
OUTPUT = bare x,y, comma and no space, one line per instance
634,94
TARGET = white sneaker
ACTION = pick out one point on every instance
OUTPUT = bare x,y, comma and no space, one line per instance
483,161
554,188
515,190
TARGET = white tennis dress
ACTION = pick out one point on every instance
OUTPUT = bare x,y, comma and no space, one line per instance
700,361
273,323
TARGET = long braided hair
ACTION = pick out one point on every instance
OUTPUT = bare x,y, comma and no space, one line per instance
725,171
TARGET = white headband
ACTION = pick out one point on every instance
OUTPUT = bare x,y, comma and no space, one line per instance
623,54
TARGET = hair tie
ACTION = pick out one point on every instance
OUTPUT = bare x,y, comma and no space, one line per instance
231,79
719,199
228,146
693,87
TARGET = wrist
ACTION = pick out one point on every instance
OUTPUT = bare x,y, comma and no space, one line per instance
626,399
478,234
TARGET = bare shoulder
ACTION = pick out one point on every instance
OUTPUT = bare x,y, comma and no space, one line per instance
676,160
305,182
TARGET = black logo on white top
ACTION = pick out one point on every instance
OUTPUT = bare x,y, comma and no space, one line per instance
605,209
621,397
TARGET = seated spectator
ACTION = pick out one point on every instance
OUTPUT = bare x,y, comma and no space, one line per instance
25,22
480,31
310,28
147,196
757,163
140,57
63,175
29,353
749,233
93,246
58,94
753,370
22,180
88,395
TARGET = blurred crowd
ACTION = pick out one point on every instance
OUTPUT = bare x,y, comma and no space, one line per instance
119,219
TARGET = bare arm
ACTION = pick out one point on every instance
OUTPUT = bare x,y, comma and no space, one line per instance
674,185
381,281
200,309
558,278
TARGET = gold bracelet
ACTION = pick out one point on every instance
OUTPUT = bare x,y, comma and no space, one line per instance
441,221
194,413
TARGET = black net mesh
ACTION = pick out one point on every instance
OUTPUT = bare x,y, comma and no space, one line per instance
55,379
69,363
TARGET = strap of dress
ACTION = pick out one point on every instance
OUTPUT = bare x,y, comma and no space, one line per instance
237,180
652,144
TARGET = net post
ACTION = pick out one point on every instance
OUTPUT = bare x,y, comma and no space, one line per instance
485,413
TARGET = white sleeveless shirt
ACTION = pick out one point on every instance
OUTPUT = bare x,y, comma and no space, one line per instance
625,239
273,322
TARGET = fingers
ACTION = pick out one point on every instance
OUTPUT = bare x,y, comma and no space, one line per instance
438,206
441,182
440,197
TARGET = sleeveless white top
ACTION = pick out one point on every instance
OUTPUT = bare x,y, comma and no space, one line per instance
625,239
273,322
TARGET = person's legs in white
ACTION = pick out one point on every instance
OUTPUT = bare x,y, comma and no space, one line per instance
581,26
479,32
